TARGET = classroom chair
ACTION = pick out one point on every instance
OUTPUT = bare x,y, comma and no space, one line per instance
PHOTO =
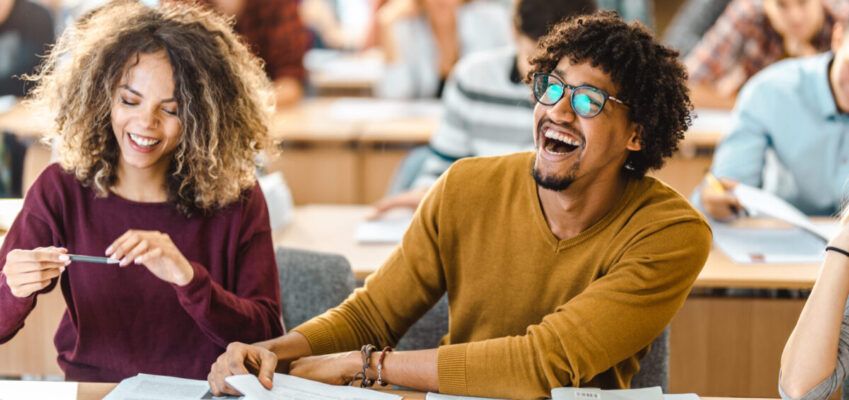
311,283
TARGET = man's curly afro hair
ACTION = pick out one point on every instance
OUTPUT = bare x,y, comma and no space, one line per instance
648,76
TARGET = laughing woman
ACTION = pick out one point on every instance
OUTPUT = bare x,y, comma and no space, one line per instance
816,358
160,113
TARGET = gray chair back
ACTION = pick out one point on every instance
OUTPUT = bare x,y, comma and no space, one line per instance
311,283
654,366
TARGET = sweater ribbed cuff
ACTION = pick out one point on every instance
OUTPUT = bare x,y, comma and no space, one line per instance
196,290
320,339
451,367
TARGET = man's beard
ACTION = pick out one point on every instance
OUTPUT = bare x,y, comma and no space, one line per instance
557,184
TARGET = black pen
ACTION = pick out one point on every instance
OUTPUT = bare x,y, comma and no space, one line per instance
92,259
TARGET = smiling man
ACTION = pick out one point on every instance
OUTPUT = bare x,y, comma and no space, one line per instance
561,265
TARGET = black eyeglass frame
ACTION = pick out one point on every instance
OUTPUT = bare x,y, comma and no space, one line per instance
572,90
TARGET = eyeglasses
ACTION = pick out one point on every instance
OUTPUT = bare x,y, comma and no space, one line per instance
586,101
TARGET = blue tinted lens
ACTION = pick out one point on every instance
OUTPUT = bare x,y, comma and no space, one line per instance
553,92
582,104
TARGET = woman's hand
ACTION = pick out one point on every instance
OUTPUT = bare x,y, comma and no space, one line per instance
154,250
28,271
334,369
242,359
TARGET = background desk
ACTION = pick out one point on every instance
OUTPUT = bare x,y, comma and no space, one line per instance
333,156
728,346
351,160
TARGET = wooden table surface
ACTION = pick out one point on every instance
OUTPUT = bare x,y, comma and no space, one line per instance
96,391
330,228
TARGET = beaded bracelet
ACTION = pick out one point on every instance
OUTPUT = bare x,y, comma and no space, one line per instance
380,359
366,352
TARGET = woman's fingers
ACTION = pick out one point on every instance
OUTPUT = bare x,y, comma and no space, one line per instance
141,248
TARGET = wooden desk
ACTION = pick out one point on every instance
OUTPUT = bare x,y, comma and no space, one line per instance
331,228
97,391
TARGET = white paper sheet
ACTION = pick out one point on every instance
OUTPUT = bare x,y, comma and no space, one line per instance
288,387
156,387
773,245
437,396
387,230
652,393
28,390
760,202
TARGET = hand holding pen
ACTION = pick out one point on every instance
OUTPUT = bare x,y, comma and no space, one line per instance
28,271
718,200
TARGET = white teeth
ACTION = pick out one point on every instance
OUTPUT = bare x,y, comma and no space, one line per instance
141,141
551,134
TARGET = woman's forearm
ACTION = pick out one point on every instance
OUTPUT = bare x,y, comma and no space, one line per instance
810,355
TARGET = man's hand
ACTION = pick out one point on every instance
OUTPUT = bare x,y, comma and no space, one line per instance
240,359
721,204
334,369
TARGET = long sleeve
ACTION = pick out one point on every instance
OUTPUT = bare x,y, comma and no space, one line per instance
30,230
250,313
741,155
408,284
584,337
829,386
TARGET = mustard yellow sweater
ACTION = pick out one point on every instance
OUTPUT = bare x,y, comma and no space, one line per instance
528,312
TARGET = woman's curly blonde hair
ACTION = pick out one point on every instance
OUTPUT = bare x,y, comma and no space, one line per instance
223,95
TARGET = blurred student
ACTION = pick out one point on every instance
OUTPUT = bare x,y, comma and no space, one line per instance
273,30
422,40
26,32
157,171
789,125
488,108
815,360
752,34
690,23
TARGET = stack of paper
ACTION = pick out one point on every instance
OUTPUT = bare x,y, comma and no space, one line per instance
156,387
288,387
27,390
652,393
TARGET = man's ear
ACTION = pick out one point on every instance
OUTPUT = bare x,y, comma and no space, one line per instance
635,140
